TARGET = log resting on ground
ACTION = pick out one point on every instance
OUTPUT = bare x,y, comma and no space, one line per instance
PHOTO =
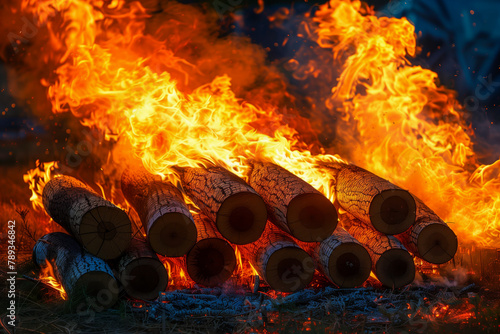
280,261
371,199
293,205
166,219
238,211
430,238
391,263
141,273
341,258
101,227
87,279
212,259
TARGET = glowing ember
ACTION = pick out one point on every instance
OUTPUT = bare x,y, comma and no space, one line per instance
47,277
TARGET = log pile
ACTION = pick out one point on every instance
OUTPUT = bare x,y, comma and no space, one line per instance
385,227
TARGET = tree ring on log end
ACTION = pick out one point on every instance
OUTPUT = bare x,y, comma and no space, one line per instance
437,243
172,234
311,217
105,231
94,290
395,268
289,269
211,262
392,211
242,218
349,265
144,278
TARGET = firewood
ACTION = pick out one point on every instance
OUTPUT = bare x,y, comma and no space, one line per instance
166,219
293,205
237,210
87,279
141,273
430,238
391,263
212,259
101,227
341,258
371,199
280,261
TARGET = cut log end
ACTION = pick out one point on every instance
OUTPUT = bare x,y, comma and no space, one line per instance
289,269
437,243
392,211
144,278
172,234
94,287
105,231
311,217
211,262
349,265
242,218
395,268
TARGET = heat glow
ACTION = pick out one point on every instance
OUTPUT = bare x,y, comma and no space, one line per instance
135,84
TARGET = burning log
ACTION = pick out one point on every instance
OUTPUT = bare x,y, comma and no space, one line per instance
166,219
237,210
280,261
87,279
293,205
430,238
391,262
101,227
373,200
141,273
341,258
212,260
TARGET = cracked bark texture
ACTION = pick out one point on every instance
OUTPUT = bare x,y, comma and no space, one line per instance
164,215
341,258
101,227
141,272
373,200
391,262
279,260
212,260
237,210
87,279
430,238
293,205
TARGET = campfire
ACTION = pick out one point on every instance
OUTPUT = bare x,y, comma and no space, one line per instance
337,189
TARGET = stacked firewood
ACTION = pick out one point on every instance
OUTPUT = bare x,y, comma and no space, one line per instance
283,226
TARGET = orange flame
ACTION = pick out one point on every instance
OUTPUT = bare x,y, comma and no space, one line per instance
36,180
47,277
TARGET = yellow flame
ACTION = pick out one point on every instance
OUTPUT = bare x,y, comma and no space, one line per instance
47,276
37,178
401,125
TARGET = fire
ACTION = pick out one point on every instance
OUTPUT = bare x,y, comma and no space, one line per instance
140,87
47,277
